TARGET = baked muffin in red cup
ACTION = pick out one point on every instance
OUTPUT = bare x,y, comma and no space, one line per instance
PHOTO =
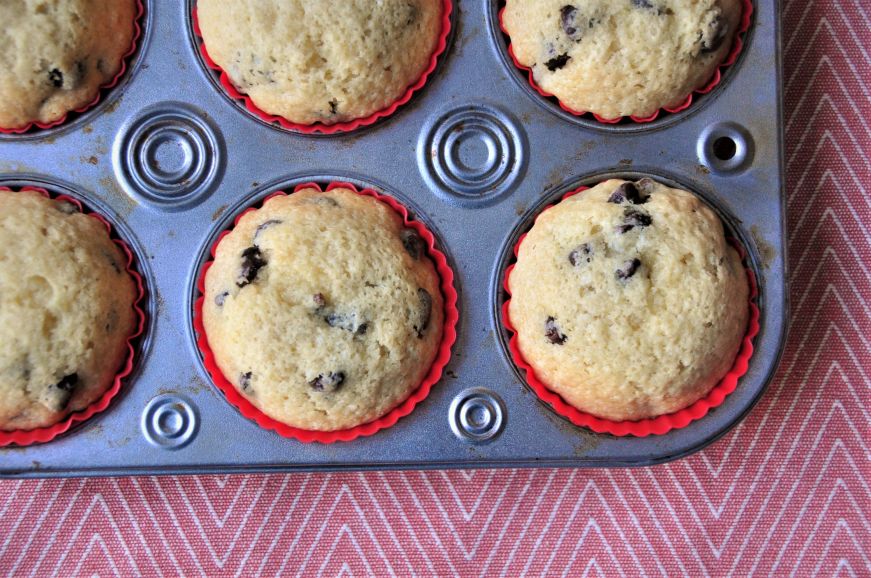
322,67
60,57
69,311
627,59
630,311
326,314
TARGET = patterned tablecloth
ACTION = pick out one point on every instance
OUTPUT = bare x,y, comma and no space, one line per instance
787,492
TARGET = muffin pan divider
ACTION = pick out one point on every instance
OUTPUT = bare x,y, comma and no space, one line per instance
170,160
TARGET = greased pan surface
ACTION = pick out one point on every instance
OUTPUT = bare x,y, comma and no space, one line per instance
171,160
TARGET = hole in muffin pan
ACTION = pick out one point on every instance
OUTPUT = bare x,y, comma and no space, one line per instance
506,258
287,185
501,41
725,148
108,95
355,126
146,304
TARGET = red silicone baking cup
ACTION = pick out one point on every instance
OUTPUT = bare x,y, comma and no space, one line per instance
737,46
656,425
48,433
449,335
137,32
318,127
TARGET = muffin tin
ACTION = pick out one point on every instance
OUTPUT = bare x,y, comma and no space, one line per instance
170,160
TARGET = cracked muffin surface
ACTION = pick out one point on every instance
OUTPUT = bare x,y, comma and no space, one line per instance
57,54
628,301
621,57
323,309
66,310
325,62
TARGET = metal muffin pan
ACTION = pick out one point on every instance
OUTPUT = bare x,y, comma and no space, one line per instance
171,160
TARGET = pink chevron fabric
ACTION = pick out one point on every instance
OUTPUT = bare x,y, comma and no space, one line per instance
786,493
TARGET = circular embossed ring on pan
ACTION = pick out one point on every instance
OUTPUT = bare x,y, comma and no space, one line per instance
471,155
476,415
169,157
169,422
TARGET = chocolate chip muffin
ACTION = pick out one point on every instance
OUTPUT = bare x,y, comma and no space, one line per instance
57,54
323,309
621,57
628,301
66,310
321,62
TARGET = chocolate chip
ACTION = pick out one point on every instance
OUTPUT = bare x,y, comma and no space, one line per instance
320,300
568,20
56,77
340,321
348,322
245,380
424,312
628,269
646,4
618,197
628,192
413,243
221,297
552,332
557,62
328,382
62,391
68,382
334,106
580,254
252,262
716,34
636,217
265,225
633,218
